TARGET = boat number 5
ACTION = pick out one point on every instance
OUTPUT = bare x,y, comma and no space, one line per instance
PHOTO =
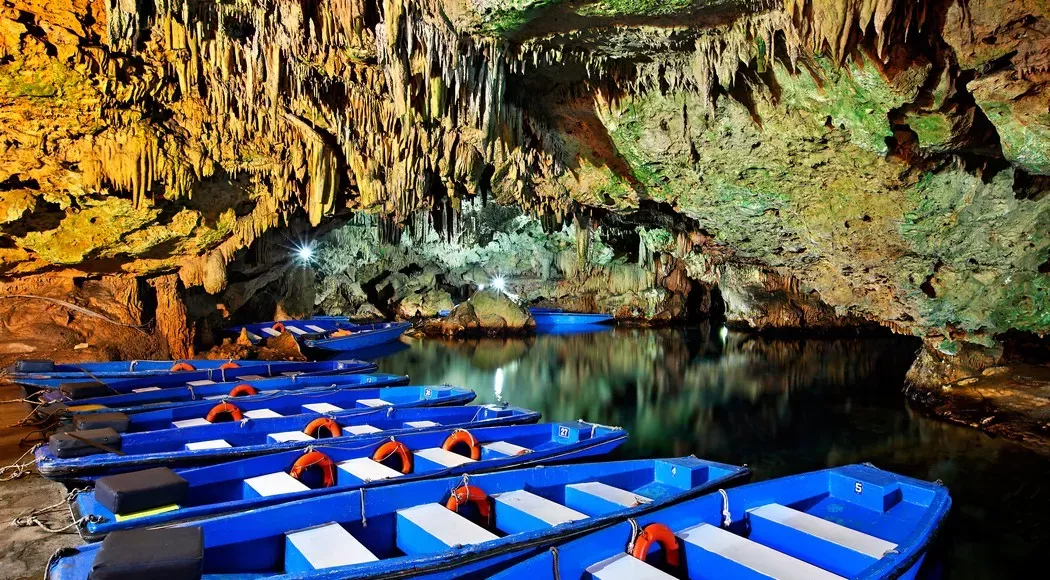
426,393
858,487
563,432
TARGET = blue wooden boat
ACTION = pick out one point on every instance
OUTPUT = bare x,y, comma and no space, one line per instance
439,528
152,398
237,440
547,318
186,371
274,478
328,333
849,522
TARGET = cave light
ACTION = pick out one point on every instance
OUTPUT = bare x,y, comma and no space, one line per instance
723,334
499,283
305,252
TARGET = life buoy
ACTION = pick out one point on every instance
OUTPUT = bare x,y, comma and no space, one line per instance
223,409
229,365
340,333
278,326
463,437
181,366
243,390
659,534
315,459
471,494
326,423
389,449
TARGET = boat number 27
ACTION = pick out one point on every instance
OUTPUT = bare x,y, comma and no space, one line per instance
563,432
858,487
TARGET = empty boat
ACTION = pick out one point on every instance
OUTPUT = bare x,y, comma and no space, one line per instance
848,522
161,496
334,334
555,318
440,528
84,455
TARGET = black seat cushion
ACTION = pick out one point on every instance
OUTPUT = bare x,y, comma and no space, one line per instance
40,365
64,446
85,389
168,553
116,421
127,493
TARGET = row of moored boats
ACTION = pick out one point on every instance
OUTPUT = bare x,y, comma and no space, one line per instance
252,469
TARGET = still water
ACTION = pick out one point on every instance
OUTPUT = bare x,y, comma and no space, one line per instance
780,406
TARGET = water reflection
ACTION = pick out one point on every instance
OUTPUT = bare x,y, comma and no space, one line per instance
781,406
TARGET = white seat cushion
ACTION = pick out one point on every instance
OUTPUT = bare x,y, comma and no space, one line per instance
275,484
271,332
315,328
145,389
290,436
539,507
213,444
505,448
361,429
821,528
322,407
330,545
250,378
262,414
626,567
421,424
200,383
373,402
443,457
446,525
190,423
762,559
365,469
611,494
295,329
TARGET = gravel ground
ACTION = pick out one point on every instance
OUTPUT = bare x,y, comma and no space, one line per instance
24,551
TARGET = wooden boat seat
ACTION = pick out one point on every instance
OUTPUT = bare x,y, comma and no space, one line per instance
361,429
262,414
421,424
625,567
523,511
295,329
823,529
503,448
200,383
324,546
253,337
315,328
271,332
190,423
291,373
725,554
438,458
432,527
250,378
321,408
372,403
288,436
272,484
213,444
597,498
145,389
363,470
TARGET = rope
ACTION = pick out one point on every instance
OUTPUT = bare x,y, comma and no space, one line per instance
18,469
726,520
556,570
79,309
31,518
634,535
364,519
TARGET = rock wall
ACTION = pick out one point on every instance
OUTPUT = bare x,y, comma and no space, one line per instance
880,160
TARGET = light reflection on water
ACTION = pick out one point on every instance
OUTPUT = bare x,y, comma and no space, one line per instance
780,406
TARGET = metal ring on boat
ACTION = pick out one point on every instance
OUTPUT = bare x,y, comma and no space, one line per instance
243,390
181,366
463,436
660,534
315,426
224,408
278,326
311,459
472,494
388,449
229,365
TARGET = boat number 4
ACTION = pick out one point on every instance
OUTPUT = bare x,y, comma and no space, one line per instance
858,487
563,432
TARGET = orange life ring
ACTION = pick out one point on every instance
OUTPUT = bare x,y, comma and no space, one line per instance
340,333
278,326
315,459
472,494
388,449
222,409
181,366
659,534
243,389
229,365
314,428
462,436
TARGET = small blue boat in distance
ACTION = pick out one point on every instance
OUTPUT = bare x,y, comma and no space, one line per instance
291,475
854,522
555,318
184,372
153,398
77,460
438,528
328,333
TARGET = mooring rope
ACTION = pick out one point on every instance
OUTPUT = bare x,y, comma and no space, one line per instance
31,518
18,469
725,508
